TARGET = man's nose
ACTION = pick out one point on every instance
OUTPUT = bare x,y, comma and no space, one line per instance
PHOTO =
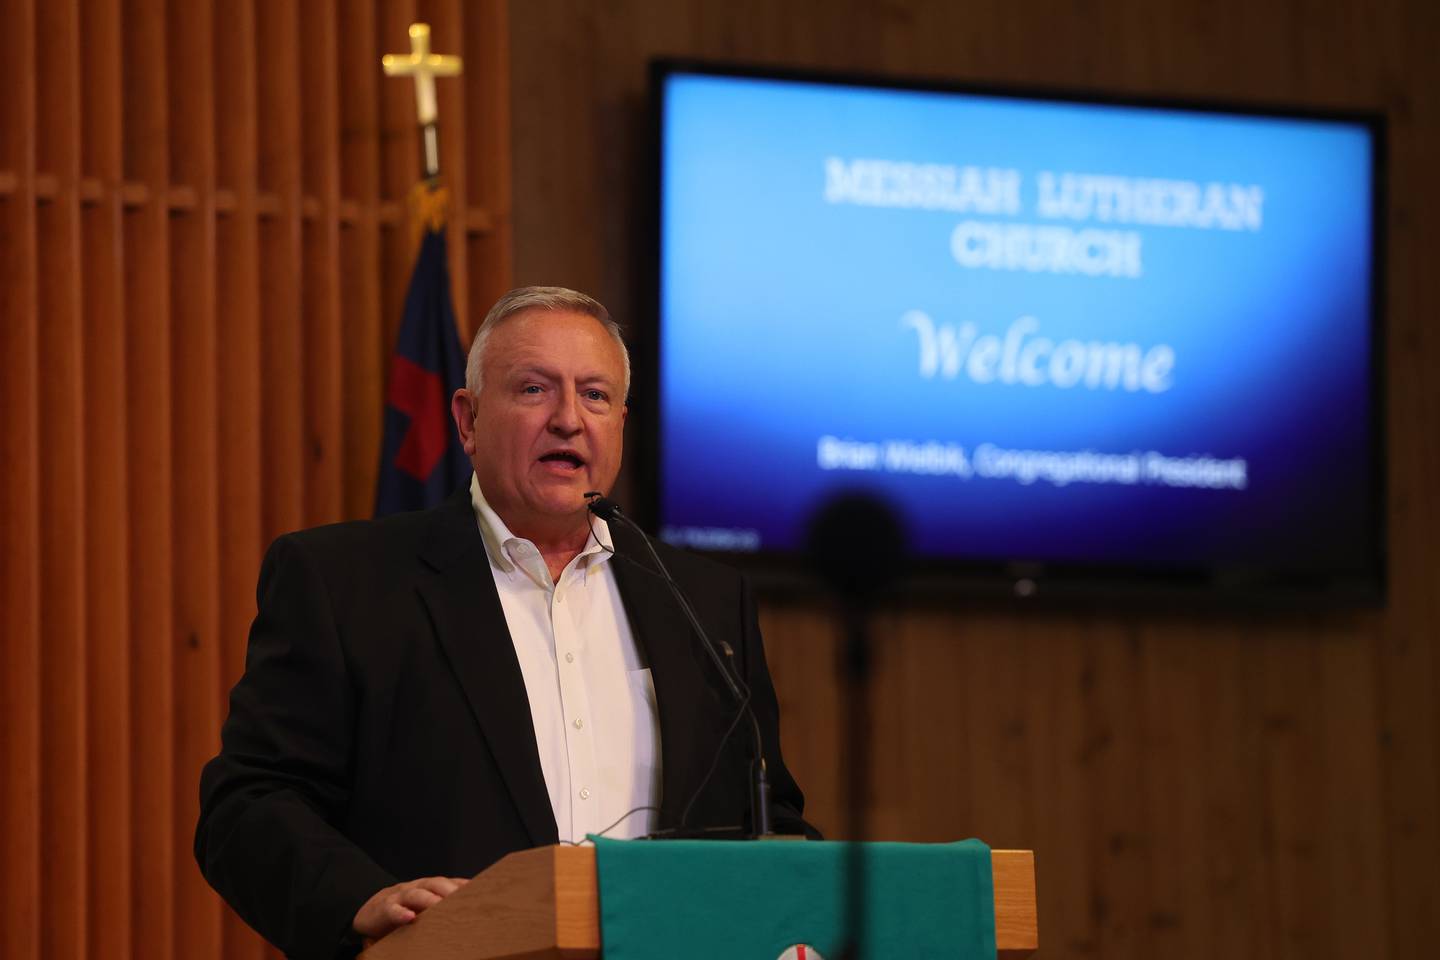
565,417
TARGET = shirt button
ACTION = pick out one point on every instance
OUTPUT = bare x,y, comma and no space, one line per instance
569,658
579,723
584,793
559,597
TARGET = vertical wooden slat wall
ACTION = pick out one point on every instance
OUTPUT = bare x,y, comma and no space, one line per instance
238,380
204,245
62,515
20,569
147,358
194,414
106,538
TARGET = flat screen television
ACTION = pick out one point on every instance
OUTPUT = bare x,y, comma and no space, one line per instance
1073,341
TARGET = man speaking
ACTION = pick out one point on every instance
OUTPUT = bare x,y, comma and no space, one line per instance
426,693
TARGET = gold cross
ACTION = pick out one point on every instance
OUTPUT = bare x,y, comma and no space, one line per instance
424,66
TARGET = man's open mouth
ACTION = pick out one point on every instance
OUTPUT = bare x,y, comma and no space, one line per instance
564,458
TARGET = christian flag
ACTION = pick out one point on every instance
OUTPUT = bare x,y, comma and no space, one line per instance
421,460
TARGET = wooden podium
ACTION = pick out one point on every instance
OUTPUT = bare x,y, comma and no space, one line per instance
543,903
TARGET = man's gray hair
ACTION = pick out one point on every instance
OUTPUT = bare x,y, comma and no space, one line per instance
539,298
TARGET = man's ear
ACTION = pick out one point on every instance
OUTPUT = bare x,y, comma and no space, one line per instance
462,410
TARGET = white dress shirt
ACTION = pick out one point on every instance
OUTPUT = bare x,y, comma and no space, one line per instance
591,699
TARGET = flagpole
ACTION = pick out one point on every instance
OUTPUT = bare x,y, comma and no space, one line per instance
421,460
424,67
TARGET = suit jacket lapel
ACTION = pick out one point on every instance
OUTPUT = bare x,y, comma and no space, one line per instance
458,589
684,698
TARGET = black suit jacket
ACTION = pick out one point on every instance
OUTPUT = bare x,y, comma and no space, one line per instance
382,732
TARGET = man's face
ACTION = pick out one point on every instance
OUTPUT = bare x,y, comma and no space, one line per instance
549,421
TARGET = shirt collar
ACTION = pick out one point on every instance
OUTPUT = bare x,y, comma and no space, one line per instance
500,542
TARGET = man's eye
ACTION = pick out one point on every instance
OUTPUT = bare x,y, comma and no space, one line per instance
597,395
530,388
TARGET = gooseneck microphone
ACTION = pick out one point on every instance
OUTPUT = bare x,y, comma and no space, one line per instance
721,654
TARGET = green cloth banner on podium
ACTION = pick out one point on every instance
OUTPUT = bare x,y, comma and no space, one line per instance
751,900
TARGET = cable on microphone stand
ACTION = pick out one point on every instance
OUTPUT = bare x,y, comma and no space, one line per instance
722,655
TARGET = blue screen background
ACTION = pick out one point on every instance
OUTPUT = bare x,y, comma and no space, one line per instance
781,323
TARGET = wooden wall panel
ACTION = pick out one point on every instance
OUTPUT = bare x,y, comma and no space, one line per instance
324,438
20,701
148,422
238,382
489,265
1195,784
238,379
62,494
195,641
109,786
198,243
1409,653
281,269
364,345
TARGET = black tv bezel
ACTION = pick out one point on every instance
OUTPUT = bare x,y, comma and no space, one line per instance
1034,581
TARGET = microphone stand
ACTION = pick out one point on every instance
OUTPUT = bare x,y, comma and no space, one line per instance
607,509
855,662
857,544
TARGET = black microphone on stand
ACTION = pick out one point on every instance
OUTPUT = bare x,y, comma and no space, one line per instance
722,655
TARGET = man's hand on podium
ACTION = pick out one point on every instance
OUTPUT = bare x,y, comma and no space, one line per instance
397,905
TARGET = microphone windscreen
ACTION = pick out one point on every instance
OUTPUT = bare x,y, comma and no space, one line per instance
857,544
602,507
